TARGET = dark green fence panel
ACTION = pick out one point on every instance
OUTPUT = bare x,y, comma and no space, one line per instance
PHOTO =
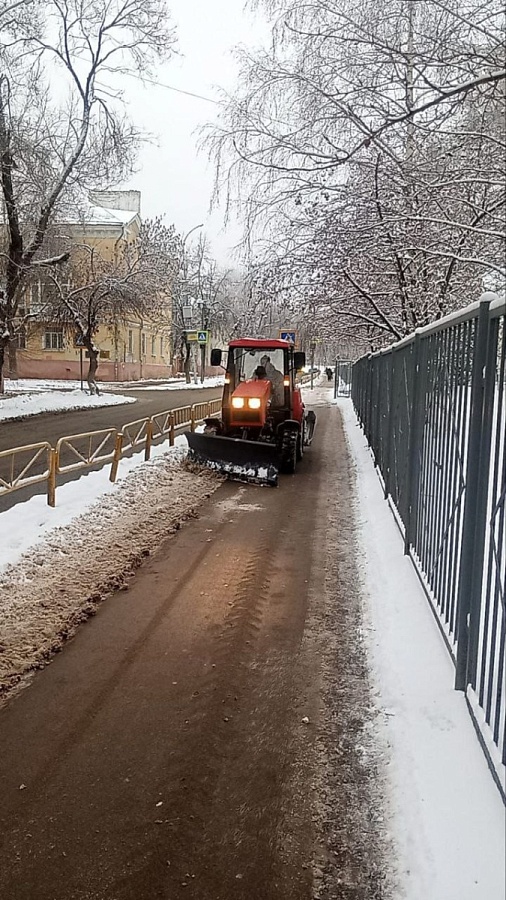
433,409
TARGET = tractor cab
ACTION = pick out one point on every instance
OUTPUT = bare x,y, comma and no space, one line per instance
250,361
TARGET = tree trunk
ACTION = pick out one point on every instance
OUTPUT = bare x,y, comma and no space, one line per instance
13,360
90,378
2,357
187,362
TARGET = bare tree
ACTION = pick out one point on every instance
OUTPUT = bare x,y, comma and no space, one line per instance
90,291
366,145
50,148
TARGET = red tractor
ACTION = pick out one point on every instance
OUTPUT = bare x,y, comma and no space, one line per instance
264,425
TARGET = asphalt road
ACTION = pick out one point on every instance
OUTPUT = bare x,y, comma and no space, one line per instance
52,426
165,753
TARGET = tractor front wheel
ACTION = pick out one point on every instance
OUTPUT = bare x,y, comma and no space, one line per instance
289,452
300,443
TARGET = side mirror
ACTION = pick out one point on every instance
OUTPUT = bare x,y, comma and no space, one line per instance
299,360
216,357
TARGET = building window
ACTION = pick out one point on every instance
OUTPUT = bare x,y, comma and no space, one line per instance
53,340
161,346
153,346
36,300
21,338
143,344
130,341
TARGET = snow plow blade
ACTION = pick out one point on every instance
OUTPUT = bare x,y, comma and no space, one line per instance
250,461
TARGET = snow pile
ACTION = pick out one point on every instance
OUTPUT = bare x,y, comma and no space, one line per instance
32,404
61,579
37,385
214,381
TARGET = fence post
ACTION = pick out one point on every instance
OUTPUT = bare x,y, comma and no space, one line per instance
470,553
171,429
118,445
370,381
482,500
389,397
149,440
377,413
51,479
413,474
192,418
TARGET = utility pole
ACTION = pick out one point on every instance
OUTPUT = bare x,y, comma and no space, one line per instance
313,348
203,346
184,296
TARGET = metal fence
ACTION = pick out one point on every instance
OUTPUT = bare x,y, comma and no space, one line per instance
342,378
433,408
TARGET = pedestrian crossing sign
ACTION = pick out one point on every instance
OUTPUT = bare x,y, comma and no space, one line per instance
197,337
288,336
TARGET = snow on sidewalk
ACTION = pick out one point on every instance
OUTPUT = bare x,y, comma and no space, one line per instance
57,564
447,816
55,401
26,524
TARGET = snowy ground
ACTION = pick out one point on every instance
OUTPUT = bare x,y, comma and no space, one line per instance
36,385
31,396
447,815
31,404
447,818
57,564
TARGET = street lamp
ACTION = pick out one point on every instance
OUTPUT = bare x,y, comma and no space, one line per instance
187,235
185,300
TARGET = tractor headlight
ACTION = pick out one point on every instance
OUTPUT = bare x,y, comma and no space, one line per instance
254,403
238,402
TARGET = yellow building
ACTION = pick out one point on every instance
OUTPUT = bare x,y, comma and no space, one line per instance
129,350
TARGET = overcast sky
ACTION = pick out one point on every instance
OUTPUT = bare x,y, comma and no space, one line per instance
174,179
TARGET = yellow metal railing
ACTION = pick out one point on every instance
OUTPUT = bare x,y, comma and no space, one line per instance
80,451
87,448
162,423
12,479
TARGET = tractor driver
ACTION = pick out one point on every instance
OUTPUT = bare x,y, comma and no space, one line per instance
276,379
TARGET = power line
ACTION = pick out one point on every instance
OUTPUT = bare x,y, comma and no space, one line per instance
169,87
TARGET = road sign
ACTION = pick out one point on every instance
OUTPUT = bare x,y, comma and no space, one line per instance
288,336
78,340
197,337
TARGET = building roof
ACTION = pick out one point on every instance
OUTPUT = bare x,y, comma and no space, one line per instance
84,210
89,214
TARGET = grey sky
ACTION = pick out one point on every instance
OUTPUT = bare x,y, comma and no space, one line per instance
173,178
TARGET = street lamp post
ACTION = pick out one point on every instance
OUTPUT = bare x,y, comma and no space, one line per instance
313,348
186,308
203,346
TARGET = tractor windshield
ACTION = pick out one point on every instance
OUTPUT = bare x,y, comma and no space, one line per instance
247,361
262,363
